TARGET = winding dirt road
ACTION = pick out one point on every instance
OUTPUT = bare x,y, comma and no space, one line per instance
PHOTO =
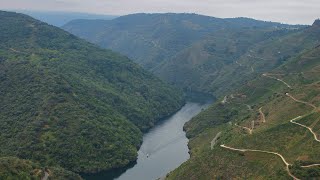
268,152
238,63
255,57
246,128
312,165
309,104
214,140
263,117
314,134
46,176
291,121
224,100
267,75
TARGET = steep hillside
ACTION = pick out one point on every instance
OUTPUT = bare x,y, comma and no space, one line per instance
214,63
235,64
14,168
68,103
267,128
150,39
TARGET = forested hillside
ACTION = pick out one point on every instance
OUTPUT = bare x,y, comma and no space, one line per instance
193,52
150,39
68,103
228,59
267,128
14,168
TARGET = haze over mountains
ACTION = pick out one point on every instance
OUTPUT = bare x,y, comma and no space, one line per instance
191,51
70,106
59,19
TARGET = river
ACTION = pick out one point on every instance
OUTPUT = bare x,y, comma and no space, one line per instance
164,148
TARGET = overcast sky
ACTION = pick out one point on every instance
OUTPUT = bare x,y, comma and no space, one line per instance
286,11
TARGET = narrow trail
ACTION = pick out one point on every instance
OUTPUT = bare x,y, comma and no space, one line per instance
291,121
299,101
263,117
267,75
314,134
46,176
249,107
312,165
214,140
268,152
246,128
299,117
224,100
16,51
238,63
256,57
309,104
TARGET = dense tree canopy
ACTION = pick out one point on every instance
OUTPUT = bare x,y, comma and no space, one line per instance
68,103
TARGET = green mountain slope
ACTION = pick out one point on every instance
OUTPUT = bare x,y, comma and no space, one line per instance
14,168
68,103
210,65
257,51
244,136
150,39
194,52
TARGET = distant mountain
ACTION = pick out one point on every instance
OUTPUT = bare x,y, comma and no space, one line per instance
266,75
68,103
228,59
193,52
213,65
150,39
59,19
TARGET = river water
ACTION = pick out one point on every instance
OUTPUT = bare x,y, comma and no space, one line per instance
164,148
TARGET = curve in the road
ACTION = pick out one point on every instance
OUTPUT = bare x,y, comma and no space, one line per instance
263,117
310,129
291,121
309,104
46,176
268,152
267,75
246,128
214,140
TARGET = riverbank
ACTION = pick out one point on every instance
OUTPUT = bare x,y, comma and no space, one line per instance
163,149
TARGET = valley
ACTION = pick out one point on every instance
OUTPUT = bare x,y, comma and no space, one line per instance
67,104
163,149
163,95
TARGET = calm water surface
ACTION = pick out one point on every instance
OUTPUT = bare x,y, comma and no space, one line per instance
164,148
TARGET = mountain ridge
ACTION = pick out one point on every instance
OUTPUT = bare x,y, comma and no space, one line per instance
69,103
161,35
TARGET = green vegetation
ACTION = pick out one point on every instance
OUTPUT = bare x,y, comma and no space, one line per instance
194,52
295,143
151,39
12,168
67,103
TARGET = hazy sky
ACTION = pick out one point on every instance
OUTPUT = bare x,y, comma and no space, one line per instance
287,11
